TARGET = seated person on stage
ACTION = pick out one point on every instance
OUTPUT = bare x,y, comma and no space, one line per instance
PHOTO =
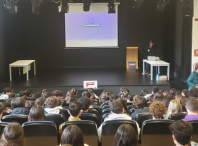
5,93
174,107
18,105
192,109
181,133
138,102
94,96
185,94
157,109
57,93
117,112
50,105
86,103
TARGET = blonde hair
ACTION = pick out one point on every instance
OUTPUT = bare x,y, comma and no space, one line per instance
180,99
174,107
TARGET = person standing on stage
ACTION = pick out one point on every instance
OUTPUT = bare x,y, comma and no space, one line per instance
193,79
151,52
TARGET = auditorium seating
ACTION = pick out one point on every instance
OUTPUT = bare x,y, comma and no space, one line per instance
104,116
141,117
15,118
91,117
195,130
105,106
105,111
109,129
89,130
156,133
64,113
184,107
94,102
177,116
40,134
94,111
56,118
2,126
97,107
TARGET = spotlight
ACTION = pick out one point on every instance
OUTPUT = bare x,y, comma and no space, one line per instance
137,4
161,4
86,5
11,6
111,6
36,6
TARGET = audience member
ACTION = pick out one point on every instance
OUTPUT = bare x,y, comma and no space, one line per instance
69,95
25,97
181,132
192,109
172,91
91,90
139,103
44,91
12,135
6,92
21,93
126,136
121,92
8,102
130,97
166,100
174,107
193,92
155,90
75,91
59,103
35,96
45,95
178,92
165,93
18,105
180,99
157,109
185,94
50,105
125,94
40,101
70,99
85,102
124,105
36,114
29,104
57,93
144,92
86,94
158,96
12,95
28,92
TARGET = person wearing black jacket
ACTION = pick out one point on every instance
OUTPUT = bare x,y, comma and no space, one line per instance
151,52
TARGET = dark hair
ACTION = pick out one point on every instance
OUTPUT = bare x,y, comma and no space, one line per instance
39,101
12,135
124,104
63,102
22,93
25,97
1,108
113,97
45,95
91,90
29,104
185,92
193,92
192,104
158,96
125,95
28,92
72,135
17,102
75,108
151,41
44,90
86,94
155,89
75,91
122,89
166,100
172,91
178,92
57,93
131,96
51,102
85,102
59,102
104,96
70,99
12,95
182,131
35,96
180,99
7,89
144,92
116,106
126,136
138,102
3,105
157,109
36,114
8,102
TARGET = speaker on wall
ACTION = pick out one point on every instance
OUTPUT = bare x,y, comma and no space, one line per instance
187,8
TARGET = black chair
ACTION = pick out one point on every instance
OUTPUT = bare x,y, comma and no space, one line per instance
130,106
195,130
156,133
184,107
109,129
94,101
15,118
2,126
129,103
56,118
105,111
177,116
91,117
40,133
141,117
97,107
105,106
88,128
94,111
104,116
2,100
65,113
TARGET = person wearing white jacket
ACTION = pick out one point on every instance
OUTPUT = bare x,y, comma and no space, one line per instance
50,105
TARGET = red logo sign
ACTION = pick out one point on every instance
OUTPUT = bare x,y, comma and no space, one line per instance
196,19
89,83
131,64
195,52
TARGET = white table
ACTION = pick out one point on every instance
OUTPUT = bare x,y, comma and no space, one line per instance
22,63
158,64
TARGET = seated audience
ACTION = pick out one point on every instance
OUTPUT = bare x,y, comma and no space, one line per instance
69,94
28,92
75,91
178,92
157,109
174,107
5,93
180,99
70,99
8,102
158,96
57,93
18,106
181,133
117,112
139,103
35,96
155,90
44,91
91,90
120,94
172,91
193,92
50,105
185,94
125,94
86,103
29,104
45,95
145,94
12,135
192,109
86,94
36,114
24,97
124,105
166,100
40,101
59,103
126,136
165,93
130,98
72,135
21,93
12,95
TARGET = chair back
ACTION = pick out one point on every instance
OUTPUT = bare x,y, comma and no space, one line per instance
97,107
88,128
109,129
184,107
15,118
177,116
94,101
2,126
42,133
64,113
156,132
91,117
105,106
195,130
104,116
105,111
94,111
56,118
141,117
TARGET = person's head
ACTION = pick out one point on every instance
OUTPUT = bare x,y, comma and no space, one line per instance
116,107
44,90
36,114
75,91
178,92
124,104
7,90
113,97
69,93
40,101
172,91
157,109
166,100
24,97
12,135
131,96
86,94
144,92
17,102
12,95
126,136
192,105
29,104
122,89
8,102
104,96
151,43
196,69
155,89
70,99
51,102
22,93
35,96
91,90
46,95
72,135
28,92
174,107
181,132
125,94
57,93
158,96
180,99
1,110
185,93
63,102
193,92
165,93
138,102
85,102
75,109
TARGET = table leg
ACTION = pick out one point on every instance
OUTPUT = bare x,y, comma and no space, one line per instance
34,67
143,68
158,69
27,73
168,73
10,71
151,72
19,71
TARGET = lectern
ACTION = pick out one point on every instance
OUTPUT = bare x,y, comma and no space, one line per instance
132,57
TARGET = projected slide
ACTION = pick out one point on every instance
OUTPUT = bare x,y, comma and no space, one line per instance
89,29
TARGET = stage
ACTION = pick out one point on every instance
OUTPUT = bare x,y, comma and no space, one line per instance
66,78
